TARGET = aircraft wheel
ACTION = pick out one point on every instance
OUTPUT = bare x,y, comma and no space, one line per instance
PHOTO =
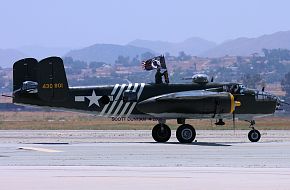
254,135
161,133
185,133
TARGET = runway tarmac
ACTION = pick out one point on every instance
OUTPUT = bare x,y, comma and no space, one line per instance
132,160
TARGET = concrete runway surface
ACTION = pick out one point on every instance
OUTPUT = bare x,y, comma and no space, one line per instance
131,160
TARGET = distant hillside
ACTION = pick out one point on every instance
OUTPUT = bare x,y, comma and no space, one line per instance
247,46
192,46
9,56
106,52
40,52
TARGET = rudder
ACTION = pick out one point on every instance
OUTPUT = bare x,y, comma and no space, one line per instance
52,81
24,70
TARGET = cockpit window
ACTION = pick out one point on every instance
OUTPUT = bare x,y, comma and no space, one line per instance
234,88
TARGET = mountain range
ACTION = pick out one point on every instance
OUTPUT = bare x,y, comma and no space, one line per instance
9,56
106,52
193,46
247,46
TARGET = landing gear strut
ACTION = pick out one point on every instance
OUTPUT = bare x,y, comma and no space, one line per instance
254,135
161,132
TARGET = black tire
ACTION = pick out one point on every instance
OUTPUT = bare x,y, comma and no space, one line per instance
161,133
185,133
254,135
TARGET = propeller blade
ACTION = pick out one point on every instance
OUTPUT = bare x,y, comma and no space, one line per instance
234,122
281,101
8,96
285,103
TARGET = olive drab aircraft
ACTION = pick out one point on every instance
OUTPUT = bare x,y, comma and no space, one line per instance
44,83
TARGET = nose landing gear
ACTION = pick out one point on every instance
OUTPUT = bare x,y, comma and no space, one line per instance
254,135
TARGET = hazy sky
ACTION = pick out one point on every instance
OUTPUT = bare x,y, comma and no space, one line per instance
72,23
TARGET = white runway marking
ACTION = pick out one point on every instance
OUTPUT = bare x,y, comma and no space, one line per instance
39,149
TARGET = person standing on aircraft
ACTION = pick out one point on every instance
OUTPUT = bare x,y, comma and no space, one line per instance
166,79
157,63
158,76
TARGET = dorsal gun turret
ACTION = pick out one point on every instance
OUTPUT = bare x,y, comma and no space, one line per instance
200,78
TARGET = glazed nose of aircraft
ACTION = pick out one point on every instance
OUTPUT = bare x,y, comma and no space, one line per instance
266,96
271,97
280,102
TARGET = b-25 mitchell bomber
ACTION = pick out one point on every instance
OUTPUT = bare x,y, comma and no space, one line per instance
44,83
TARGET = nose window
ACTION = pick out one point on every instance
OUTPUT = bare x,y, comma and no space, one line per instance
260,96
263,96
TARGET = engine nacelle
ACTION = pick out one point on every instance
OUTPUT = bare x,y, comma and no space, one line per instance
191,102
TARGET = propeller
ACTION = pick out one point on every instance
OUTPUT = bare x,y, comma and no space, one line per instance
7,96
237,104
281,102
234,122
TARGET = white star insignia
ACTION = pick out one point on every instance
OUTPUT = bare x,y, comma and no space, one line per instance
94,99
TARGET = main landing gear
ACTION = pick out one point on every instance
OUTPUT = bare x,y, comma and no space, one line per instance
161,132
254,135
185,133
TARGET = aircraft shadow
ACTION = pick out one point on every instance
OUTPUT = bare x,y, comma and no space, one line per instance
50,143
177,143
200,144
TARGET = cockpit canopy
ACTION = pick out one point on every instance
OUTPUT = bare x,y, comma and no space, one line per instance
241,89
200,78
234,88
